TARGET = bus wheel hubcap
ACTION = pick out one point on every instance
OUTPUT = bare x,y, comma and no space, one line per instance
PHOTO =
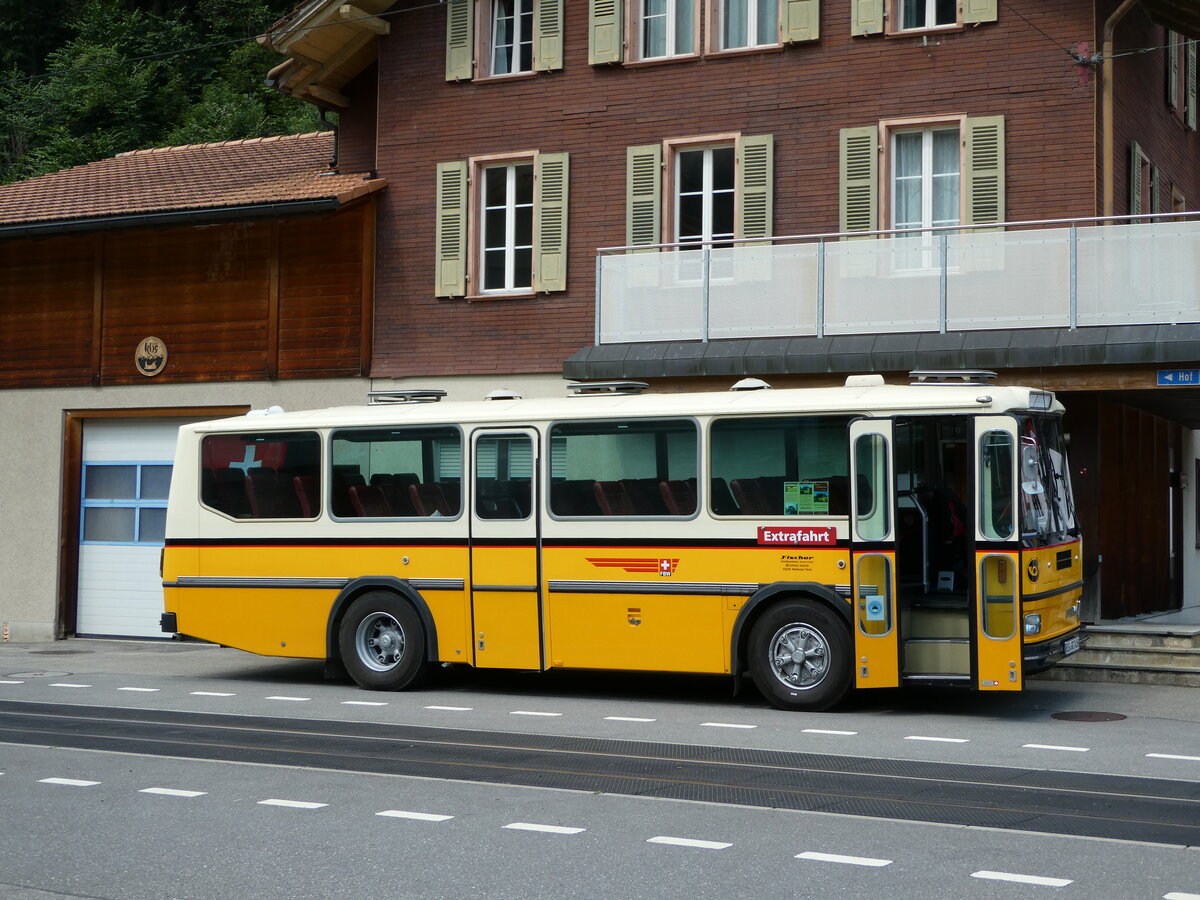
799,656
380,642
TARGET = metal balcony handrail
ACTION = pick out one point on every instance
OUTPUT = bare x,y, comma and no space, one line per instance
891,232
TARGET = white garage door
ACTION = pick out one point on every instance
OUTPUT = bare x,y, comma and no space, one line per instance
126,473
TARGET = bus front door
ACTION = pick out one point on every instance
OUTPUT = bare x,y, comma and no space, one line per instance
505,550
873,554
998,622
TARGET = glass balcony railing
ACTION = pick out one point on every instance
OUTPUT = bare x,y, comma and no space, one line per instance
1052,274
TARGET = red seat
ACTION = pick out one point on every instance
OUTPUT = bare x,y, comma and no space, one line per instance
678,496
613,499
307,495
428,499
369,501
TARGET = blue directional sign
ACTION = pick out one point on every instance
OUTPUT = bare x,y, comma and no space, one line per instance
1179,377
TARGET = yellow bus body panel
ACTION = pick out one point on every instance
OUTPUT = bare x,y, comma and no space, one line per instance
999,653
506,633
1060,588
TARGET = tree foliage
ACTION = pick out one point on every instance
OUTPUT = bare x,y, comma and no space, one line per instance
81,80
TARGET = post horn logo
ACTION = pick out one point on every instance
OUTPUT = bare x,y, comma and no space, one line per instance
151,356
1031,568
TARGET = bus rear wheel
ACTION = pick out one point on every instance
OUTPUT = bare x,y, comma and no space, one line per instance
382,643
800,656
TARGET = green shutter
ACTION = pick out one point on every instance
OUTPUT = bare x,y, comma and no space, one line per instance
1155,199
1190,99
1172,70
643,197
460,40
858,179
550,222
801,20
451,235
605,39
976,11
984,179
548,32
755,174
866,16
1135,179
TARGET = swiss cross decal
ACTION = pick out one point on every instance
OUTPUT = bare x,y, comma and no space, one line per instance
664,567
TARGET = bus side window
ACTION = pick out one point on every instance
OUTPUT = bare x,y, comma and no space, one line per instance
268,475
995,485
389,473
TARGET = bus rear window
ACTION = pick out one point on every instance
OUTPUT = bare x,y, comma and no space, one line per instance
784,466
269,475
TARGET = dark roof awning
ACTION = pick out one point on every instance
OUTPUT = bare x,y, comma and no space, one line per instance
1167,345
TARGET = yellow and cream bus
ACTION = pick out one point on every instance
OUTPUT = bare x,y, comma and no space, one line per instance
870,535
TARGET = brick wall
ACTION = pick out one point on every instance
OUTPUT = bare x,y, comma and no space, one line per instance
802,95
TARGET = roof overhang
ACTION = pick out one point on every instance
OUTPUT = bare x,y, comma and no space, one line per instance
1182,16
328,43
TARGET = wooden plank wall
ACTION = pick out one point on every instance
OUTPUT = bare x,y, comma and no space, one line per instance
278,299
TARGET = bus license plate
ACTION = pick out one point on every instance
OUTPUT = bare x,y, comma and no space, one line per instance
1070,645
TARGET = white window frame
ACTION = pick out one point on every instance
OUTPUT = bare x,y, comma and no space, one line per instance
891,130
719,10
523,11
707,191
637,11
896,16
511,205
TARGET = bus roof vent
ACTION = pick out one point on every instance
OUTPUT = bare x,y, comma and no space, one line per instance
864,381
503,394
952,376
269,411
423,395
591,388
751,384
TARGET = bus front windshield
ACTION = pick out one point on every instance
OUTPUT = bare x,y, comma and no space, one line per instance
1047,506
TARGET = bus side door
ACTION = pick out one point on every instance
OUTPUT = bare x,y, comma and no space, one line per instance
873,554
998,628
506,608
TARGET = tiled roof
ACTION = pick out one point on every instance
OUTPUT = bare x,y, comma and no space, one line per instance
200,177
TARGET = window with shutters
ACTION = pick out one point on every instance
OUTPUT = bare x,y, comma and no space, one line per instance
502,225
1181,77
906,16
912,15
924,187
704,193
488,39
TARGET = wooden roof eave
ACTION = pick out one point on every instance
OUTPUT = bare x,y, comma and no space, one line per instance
328,44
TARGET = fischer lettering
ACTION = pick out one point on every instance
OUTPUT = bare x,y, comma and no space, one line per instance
796,536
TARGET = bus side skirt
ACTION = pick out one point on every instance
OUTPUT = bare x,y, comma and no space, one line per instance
763,598
360,586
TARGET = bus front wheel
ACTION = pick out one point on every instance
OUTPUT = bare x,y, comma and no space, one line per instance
800,656
382,643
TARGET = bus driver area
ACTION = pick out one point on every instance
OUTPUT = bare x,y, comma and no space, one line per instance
932,525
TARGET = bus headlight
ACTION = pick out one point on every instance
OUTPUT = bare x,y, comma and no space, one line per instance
1033,623
1074,610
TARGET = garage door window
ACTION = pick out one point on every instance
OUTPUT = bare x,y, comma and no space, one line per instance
125,503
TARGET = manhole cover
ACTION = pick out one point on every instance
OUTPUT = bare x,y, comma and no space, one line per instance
56,652
1087,716
37,674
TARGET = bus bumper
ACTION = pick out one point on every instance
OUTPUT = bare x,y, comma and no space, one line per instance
1044,654
167,623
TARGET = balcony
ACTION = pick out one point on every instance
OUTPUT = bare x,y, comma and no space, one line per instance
1032,275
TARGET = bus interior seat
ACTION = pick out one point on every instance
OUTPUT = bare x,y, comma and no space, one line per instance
721,499
269,497
428,499
306,489
369,501
679,497
613,499
644,496
574,497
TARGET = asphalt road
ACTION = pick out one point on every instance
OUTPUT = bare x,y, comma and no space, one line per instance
94,823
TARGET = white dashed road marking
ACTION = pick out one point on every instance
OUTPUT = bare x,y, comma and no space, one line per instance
1176,895
67,685
139,690
172,792
292,804
828,731
940,740
420,817
212,694
363,703
6,681
1055,747
452,708
847,860
725,725
69,782
688,842
1173,756
627,719
292,699
528,712
548,829
1022,879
